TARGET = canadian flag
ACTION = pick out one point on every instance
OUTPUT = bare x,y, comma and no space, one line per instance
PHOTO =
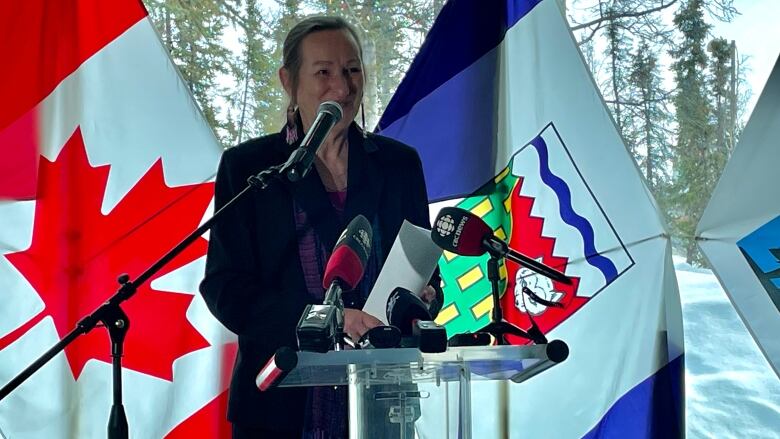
107,164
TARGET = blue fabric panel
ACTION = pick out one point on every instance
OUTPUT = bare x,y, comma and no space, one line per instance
464,32
453,131
652,409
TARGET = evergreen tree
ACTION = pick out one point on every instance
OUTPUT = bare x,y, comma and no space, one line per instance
192,32
722,84
693,159
617,52
288,14
266,101
257,101
650,122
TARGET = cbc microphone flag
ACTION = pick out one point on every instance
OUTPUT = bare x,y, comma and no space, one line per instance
122,163
739,231
510,125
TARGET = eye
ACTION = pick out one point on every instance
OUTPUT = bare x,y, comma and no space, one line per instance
322,72
354,70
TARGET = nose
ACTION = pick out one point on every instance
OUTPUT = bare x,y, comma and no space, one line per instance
342,85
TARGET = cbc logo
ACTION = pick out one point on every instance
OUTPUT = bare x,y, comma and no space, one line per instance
364,238
445,225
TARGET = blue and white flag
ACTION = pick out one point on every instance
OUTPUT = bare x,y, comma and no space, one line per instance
739,231
510,125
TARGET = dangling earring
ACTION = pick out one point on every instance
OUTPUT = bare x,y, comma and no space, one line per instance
363,117
291,128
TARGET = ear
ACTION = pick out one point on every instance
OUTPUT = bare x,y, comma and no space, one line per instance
284,77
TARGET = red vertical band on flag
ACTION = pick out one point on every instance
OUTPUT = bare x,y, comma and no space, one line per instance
41,43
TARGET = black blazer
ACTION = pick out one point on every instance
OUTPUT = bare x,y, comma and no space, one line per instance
254,281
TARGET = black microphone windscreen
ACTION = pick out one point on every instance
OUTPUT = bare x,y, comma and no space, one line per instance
403,308
332,108
460,231
298,164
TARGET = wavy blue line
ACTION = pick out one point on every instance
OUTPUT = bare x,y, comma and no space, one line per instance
571,217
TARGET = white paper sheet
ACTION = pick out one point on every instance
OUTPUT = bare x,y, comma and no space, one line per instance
410,265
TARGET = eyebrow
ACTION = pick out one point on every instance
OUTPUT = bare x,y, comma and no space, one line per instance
328,63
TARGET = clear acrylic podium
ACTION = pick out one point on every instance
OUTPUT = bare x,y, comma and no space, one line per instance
405,393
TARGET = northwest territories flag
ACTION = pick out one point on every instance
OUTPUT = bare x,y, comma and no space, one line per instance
120,171
739,231
509,124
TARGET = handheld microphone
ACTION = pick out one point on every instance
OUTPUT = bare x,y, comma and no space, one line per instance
348,260
404,308
321,325
380,337
406,311
461,232
278,366
298,164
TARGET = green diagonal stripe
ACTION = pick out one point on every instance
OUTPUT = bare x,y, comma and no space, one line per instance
465,300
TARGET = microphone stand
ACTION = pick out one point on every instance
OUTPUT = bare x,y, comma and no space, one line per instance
113,318
334,299
498,327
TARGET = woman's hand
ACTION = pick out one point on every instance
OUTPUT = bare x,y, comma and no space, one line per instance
357,322
428,294
433,299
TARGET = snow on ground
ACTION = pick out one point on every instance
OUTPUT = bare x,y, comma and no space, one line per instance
731,391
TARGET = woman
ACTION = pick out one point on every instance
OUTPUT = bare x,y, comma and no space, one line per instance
267,255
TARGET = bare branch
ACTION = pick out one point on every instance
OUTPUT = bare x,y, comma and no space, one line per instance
614,16
592,34
634,103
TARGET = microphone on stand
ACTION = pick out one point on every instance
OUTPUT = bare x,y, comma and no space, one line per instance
321,325
461,232
298,164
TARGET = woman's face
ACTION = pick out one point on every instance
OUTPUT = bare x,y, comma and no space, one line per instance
331,70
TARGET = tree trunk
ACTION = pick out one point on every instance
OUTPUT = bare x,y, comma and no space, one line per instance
649,168
733,97
690,252
370,95
168,36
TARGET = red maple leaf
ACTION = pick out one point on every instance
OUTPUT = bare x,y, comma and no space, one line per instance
77,253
